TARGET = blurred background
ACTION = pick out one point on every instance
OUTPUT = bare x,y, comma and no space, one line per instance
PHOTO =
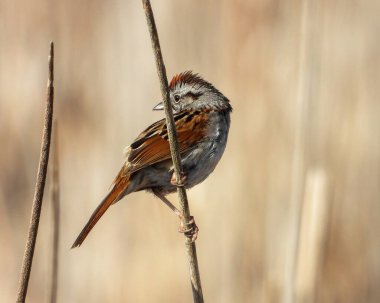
291,213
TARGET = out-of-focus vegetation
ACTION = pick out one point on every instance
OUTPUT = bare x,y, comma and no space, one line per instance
106,85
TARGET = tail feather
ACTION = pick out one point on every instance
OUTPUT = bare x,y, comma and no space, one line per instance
114,195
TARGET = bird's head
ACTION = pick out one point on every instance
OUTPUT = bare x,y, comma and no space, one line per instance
189,91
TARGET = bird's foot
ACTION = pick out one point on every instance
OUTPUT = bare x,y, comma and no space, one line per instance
181,182
189,229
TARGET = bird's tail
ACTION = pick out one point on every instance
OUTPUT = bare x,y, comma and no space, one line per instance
117,192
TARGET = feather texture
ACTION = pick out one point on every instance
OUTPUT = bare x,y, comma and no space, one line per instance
152,145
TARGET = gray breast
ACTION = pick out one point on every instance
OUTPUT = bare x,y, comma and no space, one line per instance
202,160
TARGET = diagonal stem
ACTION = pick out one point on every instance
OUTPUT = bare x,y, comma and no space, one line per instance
174,148
40,186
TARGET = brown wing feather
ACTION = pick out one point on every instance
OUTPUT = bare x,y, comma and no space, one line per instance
152,145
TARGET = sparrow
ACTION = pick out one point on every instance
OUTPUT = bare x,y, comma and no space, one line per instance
202,121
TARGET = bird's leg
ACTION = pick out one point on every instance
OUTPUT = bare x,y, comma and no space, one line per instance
168,203
181,182
189,229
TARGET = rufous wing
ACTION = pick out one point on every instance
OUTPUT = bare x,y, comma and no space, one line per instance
152,146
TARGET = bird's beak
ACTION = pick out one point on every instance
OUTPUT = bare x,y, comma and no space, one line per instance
159,106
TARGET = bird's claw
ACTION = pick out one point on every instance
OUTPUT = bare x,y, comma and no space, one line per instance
189,229
181,182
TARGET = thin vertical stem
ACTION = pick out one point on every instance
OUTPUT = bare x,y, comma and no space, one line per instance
40,186
56,216
314,218
298,156
174,148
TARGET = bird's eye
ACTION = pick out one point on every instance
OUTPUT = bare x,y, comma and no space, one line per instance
177,98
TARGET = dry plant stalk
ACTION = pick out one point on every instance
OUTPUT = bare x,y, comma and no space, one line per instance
56,216
298,157
174,148
40,185
314,218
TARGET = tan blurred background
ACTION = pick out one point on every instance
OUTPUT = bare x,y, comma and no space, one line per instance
292,212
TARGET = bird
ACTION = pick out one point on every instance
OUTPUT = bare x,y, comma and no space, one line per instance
202,120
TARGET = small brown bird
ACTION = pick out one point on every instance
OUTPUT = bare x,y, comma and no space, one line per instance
202,120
